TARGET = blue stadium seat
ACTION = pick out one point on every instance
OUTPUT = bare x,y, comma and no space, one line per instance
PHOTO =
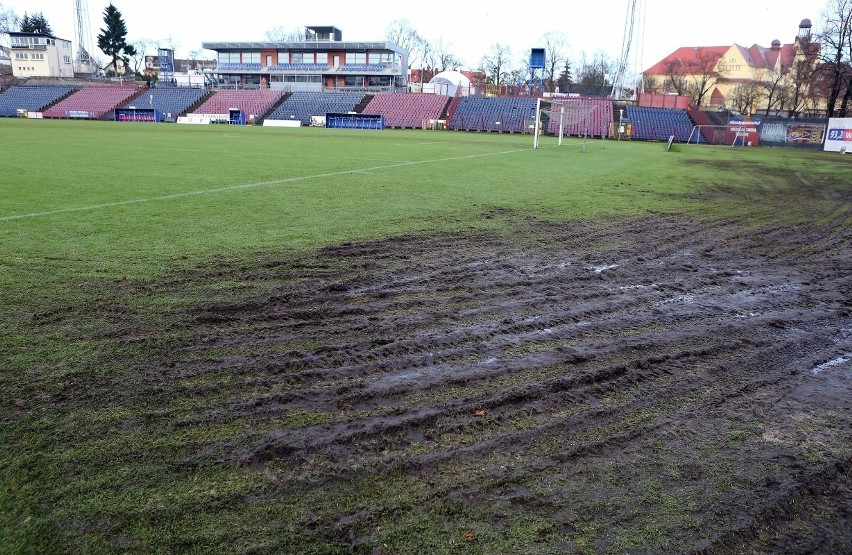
301,105
33,98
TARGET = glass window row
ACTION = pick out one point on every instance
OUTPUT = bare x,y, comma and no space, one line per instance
284,57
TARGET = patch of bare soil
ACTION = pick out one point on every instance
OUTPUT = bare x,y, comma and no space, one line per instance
652,385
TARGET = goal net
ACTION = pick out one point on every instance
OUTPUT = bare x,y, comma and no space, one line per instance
708,134
729,135
560,117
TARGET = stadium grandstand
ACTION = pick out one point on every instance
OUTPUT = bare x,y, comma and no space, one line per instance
254,103
169,101
92,102
301,82
31,98
407,111
658,124
651,117
499,114
302,105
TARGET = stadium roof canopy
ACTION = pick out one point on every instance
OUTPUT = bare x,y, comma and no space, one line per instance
306,45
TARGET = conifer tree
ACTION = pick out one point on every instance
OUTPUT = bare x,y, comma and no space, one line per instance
36,23
112,39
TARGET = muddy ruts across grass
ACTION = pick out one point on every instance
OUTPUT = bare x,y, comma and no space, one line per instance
653,385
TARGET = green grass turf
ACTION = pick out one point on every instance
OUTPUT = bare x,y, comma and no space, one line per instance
86,207
131,199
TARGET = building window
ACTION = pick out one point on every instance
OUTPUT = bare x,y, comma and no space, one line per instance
356,58
251,57
302,57
386,58
21,56
229,57
378,81
38,56
322,58
67,59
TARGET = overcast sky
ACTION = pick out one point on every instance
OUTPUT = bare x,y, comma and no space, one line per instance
470,27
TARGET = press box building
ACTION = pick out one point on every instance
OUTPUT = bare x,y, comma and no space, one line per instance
40,55
323,61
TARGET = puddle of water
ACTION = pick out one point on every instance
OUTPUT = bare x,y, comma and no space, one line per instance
685,298
632,287
831,364
599,269
392,379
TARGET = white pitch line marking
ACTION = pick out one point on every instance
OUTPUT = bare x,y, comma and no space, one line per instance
186,194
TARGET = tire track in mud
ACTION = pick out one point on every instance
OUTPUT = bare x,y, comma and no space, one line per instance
646,344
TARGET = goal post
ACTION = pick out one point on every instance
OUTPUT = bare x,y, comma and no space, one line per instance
712,135
560,116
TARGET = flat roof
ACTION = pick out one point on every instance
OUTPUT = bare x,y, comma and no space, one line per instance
315,45
330,29
19,34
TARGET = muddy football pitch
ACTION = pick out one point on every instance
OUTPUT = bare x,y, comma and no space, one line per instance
649,381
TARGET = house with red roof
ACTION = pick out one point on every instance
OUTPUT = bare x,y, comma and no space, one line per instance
747,80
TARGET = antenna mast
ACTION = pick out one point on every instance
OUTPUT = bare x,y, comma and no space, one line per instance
635,21
83,63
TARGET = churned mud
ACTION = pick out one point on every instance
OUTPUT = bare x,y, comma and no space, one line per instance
646,385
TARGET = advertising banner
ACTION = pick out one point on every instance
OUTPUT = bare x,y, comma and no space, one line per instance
839,137
743,132
805,133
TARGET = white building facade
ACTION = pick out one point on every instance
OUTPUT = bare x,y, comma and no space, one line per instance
39,55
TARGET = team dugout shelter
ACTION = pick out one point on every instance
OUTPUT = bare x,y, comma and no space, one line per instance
323,61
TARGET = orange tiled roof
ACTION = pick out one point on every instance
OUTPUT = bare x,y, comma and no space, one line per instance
689,57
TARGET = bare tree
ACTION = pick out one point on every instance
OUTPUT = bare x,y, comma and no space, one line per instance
9,21
444,57
847,73
169,42
649,84
556,54
745,97
496,64
401,33
675,80
772,81
520,72
802,75
704,75
141,48
836,49
280,34
594,72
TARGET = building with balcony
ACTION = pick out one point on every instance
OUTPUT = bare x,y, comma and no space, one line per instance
323,61
39,55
